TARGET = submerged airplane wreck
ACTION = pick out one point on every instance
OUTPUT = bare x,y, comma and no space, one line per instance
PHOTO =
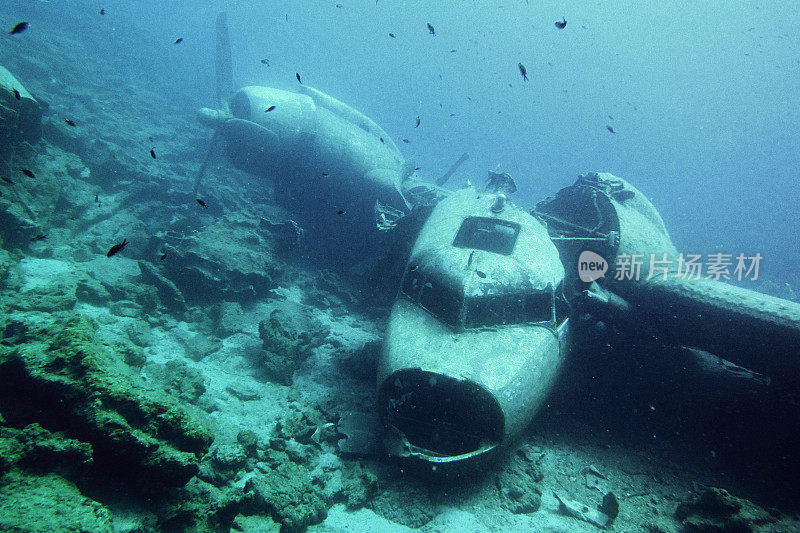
482,322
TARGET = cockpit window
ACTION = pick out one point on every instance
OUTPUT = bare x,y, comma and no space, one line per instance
489,234
451,307
508,309
437,298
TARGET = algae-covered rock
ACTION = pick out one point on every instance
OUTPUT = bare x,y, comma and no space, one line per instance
288,495
48,503
46,285
714,509
223,464
178,379
35,449
65,381
289,337
230,258
200,506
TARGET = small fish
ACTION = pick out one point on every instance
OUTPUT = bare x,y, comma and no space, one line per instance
69,122
453,51
270,108
480,274
152,153
201,202
523,71
340,212
96,198
609,128
561,24
265,61
179,40
406,141
417,124
163,256
325,174
117,248
412,268
7,180
39,237
610,117
392,35
297,75
27,173
339,6
102,11
16,93
430,29
381,138
19,28
471,255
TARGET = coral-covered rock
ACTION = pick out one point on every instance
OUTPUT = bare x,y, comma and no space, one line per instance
65,381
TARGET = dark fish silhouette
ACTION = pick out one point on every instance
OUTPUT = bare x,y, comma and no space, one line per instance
16,93
265,61
270,108
7,180
480,274
609,128
325,174
69,122
39,237
381,138
96,198
163,256
117,248
297,75
19,28
561,25
340,212
523,71
392,35
27,173
430,29
102,11
152,153
179,40
406,141
417,124
201,202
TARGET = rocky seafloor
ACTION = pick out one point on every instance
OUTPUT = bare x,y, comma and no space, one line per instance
197,380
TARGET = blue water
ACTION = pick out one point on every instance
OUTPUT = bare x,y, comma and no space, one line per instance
702,94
